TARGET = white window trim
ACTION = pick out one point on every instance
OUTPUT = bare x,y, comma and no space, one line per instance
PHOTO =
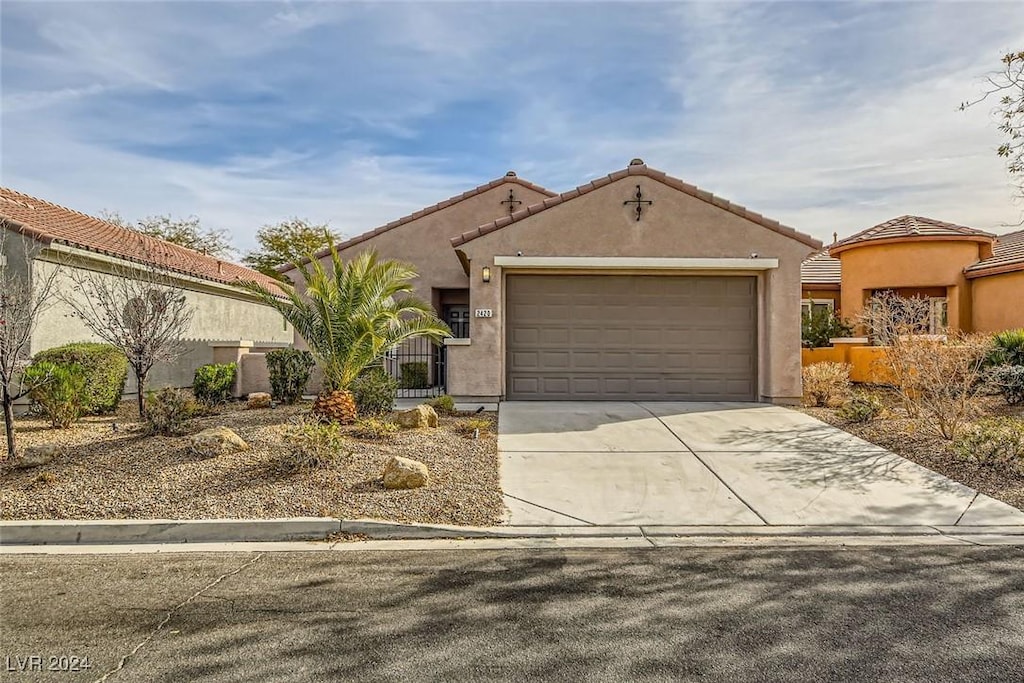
811,303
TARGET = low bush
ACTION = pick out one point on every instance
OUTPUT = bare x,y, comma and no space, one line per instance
289,371
105,369
818,327
414,375
443,405
474,427
168,411
1008,380
826,384
313,444
997,441
211,383
374,391
59,390
861,408
1008,348
374,429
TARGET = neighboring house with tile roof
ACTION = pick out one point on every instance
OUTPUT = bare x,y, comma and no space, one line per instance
973,278
634,286
59,238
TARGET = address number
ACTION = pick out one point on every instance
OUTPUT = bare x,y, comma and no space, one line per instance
484,313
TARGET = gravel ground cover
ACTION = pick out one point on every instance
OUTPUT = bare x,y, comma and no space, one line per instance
911,439
105,474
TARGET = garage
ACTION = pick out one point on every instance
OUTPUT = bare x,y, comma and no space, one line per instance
631,337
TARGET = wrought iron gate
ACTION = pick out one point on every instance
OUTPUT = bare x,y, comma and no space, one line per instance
420,367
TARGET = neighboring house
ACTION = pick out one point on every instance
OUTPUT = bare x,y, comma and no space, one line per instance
636,286
72,242
974,280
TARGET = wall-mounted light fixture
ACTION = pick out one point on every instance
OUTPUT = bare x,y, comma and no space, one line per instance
486,273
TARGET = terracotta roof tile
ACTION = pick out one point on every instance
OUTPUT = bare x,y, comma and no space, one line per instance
509,177
1007,255
820,269
909,227
48,222
639,169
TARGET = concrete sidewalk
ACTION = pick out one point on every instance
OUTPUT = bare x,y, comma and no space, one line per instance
685,464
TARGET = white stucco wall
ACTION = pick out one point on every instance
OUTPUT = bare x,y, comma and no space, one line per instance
221,314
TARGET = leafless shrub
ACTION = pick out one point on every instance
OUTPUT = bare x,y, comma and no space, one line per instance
826,384
137,308
22,302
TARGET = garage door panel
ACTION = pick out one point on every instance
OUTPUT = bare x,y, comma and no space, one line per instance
631,337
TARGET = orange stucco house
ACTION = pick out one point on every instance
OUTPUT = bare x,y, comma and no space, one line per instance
974,279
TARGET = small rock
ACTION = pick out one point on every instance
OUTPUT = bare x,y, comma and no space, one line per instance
216,441
405,473
258,399
34,456
420,416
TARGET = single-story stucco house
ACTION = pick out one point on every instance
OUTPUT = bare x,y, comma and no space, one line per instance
55,237
635,286
974,279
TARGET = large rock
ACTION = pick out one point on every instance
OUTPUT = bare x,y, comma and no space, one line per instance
35,456
217,441
258,399
405,473
420,416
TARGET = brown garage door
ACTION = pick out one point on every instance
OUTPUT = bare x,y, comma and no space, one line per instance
630,337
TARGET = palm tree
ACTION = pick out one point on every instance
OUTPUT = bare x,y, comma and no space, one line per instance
350,315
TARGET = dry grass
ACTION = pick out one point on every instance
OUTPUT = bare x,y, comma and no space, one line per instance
911,438
102,474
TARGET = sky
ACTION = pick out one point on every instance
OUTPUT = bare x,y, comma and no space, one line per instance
830,116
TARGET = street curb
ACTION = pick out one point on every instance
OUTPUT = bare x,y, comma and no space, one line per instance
162,531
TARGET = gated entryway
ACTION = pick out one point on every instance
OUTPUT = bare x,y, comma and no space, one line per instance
420,368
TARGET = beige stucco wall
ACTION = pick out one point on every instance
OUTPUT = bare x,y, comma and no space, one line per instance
911,264
219,315
598,224
998,302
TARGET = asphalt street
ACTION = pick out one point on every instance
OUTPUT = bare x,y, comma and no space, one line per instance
929,613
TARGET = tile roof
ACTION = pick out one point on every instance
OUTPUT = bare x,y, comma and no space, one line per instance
637,167
908,227
509,177
820,269
1007,255
48,222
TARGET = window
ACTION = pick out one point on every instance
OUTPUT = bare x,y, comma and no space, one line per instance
809,306
938,319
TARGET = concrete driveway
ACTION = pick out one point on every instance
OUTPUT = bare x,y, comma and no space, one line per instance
730,464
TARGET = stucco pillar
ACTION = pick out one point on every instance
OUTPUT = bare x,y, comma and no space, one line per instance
232,352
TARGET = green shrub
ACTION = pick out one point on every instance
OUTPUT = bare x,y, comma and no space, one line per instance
821,325
1009,381
312,444
169,410
826,384
59,390
1008,348
212,382
105,368
473,427
414,375
374,429
289,373
374,391
861,408
443,405
994,441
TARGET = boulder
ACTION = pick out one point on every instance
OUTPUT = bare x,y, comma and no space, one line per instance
405,473
420,416
257,399
35,456
216,441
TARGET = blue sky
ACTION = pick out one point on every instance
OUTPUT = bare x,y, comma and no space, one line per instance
827,116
